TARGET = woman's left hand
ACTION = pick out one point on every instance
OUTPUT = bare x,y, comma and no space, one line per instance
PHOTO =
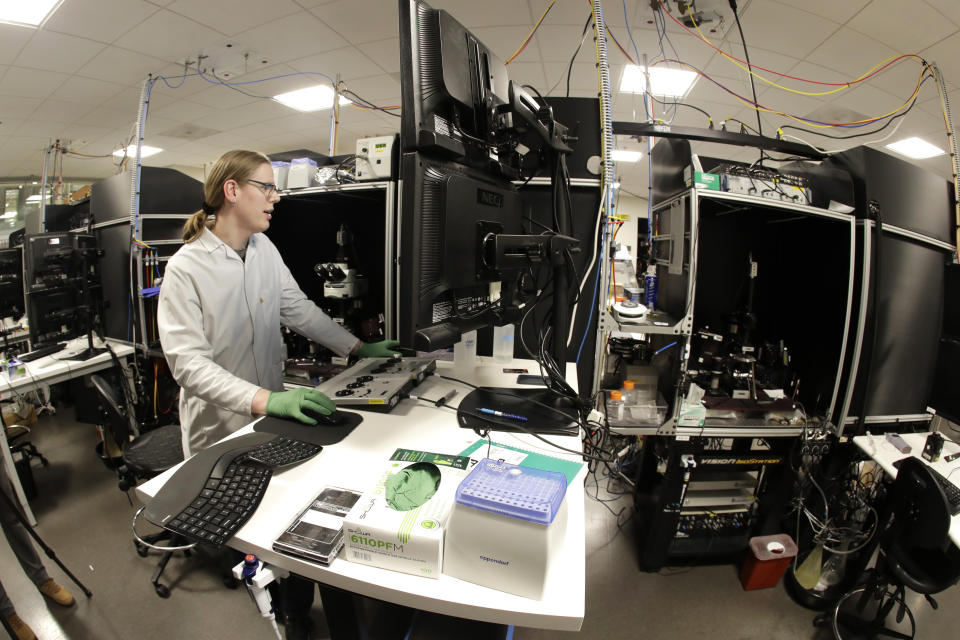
382,349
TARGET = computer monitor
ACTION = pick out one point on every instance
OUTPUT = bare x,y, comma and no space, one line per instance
11,283
461,221
48,259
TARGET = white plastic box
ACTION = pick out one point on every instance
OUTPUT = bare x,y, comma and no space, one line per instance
507,523
280,171
301,173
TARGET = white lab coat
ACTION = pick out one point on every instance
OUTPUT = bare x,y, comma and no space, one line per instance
219,319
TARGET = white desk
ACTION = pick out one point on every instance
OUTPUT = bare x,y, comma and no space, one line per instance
351,463
47,371
885,454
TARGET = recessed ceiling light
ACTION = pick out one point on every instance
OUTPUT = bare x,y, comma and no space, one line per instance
915,148
664,81
309,98
145,151
27,13
623,155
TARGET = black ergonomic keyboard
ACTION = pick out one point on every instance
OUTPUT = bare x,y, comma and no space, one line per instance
36,354
234,488
950,490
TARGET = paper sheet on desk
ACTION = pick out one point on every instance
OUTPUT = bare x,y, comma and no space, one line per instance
524,458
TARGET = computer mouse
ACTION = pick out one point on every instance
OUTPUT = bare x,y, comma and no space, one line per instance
324,419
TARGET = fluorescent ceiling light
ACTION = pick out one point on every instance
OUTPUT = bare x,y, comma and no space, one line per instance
145,151
623,155
27,13
916,148
309,98
9,214
664,81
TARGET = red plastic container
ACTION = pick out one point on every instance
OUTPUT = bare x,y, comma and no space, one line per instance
768,560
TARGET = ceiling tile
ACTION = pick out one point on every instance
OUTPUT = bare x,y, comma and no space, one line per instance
86,90
524,73
17,107
108,117
123,66
183,111
763,24
829,9
851,52
59,111
949,8
292,37
57,52
377,88
86,18
868,100
252,113
349,63
221,97
8,126
171,37
12,40
360,21
30,83
385,53
233,16
761,59
946,55
907,27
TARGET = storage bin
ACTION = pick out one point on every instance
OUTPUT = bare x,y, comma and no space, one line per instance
769,558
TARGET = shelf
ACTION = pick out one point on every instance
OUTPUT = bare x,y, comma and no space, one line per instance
656,323
336,188
758,201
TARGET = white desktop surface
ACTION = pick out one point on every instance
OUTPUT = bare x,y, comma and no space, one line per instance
885,454
353,463
48,370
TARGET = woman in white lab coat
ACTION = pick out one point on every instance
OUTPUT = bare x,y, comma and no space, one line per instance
225,294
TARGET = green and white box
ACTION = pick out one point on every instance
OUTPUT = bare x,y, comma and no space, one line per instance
399,523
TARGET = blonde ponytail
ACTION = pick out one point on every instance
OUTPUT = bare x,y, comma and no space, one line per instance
236,165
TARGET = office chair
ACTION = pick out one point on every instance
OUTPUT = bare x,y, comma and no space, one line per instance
18,437
915,552
142,457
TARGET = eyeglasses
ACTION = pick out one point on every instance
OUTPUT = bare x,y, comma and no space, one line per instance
268,188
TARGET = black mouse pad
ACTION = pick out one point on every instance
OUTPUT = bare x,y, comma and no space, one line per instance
321,434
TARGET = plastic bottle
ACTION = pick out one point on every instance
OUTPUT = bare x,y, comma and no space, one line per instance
650,288
465,351
503,343
629,394
615,405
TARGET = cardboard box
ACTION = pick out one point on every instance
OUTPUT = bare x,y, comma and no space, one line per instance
399,523
701,179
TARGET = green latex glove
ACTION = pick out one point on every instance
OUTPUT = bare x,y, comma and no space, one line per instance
382,349
291,404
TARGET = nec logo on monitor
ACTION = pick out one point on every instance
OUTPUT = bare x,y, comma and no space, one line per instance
490,198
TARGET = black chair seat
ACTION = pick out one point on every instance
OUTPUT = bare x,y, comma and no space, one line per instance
155,451
926,571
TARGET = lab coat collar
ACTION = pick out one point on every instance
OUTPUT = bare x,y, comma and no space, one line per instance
210,242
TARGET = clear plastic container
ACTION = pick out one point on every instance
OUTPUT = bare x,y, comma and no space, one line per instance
465,351
628,393
280,171
503,343
615,405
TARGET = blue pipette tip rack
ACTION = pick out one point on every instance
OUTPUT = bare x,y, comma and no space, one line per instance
519,492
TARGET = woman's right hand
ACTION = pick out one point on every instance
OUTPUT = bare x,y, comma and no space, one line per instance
293,404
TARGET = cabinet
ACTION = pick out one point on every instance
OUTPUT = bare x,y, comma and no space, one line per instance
754,309
351,225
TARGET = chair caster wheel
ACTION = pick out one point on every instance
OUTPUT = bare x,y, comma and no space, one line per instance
142,551
162,590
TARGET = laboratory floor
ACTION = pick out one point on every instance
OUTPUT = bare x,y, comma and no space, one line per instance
86,521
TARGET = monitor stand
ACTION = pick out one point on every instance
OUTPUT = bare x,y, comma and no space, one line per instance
503,409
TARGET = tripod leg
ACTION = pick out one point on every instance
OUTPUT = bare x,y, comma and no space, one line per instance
43,545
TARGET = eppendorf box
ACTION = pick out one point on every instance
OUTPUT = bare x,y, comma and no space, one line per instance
399,523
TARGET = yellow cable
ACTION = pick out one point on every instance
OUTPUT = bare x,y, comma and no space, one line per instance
533,31
867,73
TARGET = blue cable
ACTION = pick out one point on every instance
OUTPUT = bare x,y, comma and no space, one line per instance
509,632
596,280
662,349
